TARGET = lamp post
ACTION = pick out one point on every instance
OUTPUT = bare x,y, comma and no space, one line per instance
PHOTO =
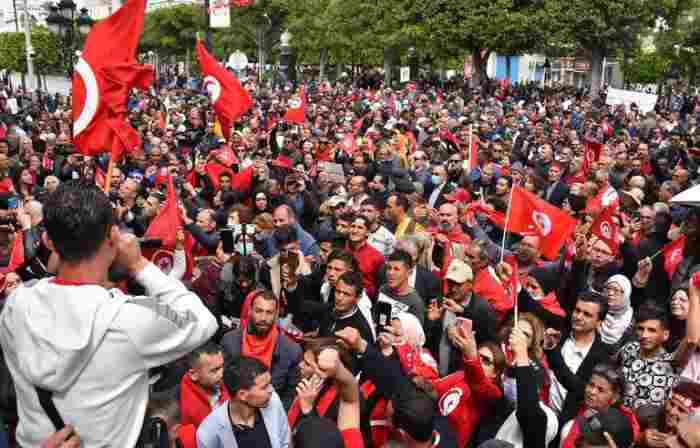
547,67
287,58
63,23
413,63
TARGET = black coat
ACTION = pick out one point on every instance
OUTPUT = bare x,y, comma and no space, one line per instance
428,284
575,382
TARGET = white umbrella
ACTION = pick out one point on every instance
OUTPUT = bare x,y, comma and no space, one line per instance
690,197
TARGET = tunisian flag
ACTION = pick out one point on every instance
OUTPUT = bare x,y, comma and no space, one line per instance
104,74
17,253
673,255
229,98
164,227
606,230
531,215
297,108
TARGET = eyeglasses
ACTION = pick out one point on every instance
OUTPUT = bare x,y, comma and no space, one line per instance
485,360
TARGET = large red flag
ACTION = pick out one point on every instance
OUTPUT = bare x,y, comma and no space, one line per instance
17,254
607,197
164,227
673,255
296,113
531,215
104,74
229,98
591,154
606,230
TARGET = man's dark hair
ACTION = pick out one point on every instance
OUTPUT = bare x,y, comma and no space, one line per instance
317,432
401,256
353,278
344,256
376,203
414,412
286,235
264,295
649,311
240,374
209,348
166,405
401,201
347,216
597,298
78,219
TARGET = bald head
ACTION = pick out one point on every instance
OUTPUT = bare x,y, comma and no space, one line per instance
448,217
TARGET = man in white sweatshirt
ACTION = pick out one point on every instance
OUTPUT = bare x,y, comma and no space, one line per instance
92,347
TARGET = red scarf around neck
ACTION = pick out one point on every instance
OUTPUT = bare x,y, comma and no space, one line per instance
260,348
195,404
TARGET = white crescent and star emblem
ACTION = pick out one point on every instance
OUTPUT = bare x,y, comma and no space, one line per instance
606,229
676,254
164,260
542,222
213,88
92,96
295,103
450,401
609,197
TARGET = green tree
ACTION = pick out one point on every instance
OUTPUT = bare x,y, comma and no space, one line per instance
601,27
172,31
452,28
14,56
646,67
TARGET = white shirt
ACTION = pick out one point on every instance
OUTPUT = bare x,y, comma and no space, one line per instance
382,240
573,358
93,347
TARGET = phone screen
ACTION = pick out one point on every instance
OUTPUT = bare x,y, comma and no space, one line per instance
227,241
383,314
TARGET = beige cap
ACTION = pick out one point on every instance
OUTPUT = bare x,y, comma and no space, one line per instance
636,194
459,272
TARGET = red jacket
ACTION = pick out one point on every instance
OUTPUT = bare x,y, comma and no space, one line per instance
464,397
486,285
194,402
370,260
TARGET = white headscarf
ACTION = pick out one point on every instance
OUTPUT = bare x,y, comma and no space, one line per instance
411,329
618,318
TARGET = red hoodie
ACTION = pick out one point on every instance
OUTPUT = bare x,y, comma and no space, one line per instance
465,397
195,405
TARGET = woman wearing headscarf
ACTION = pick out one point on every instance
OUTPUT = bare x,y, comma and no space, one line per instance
618,326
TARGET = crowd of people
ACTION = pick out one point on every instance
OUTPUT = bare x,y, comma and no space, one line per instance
348,280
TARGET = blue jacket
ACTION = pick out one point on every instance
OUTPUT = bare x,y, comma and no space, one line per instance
216,431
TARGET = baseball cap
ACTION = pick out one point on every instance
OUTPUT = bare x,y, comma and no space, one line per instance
336,201
459,195
636,194
611,421
459,271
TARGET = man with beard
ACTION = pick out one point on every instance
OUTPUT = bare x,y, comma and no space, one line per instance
379,237
200,389
397,207
259,337
448,240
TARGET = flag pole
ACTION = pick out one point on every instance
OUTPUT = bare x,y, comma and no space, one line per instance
108,181
469,150
505,226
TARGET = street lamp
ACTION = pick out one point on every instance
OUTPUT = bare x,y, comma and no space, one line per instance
63,23
287,62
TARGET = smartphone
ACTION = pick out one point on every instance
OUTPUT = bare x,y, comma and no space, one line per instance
12,203
465,324
383,314
227,240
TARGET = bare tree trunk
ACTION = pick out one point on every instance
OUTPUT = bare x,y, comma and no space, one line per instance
596,71
322,65
479,61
